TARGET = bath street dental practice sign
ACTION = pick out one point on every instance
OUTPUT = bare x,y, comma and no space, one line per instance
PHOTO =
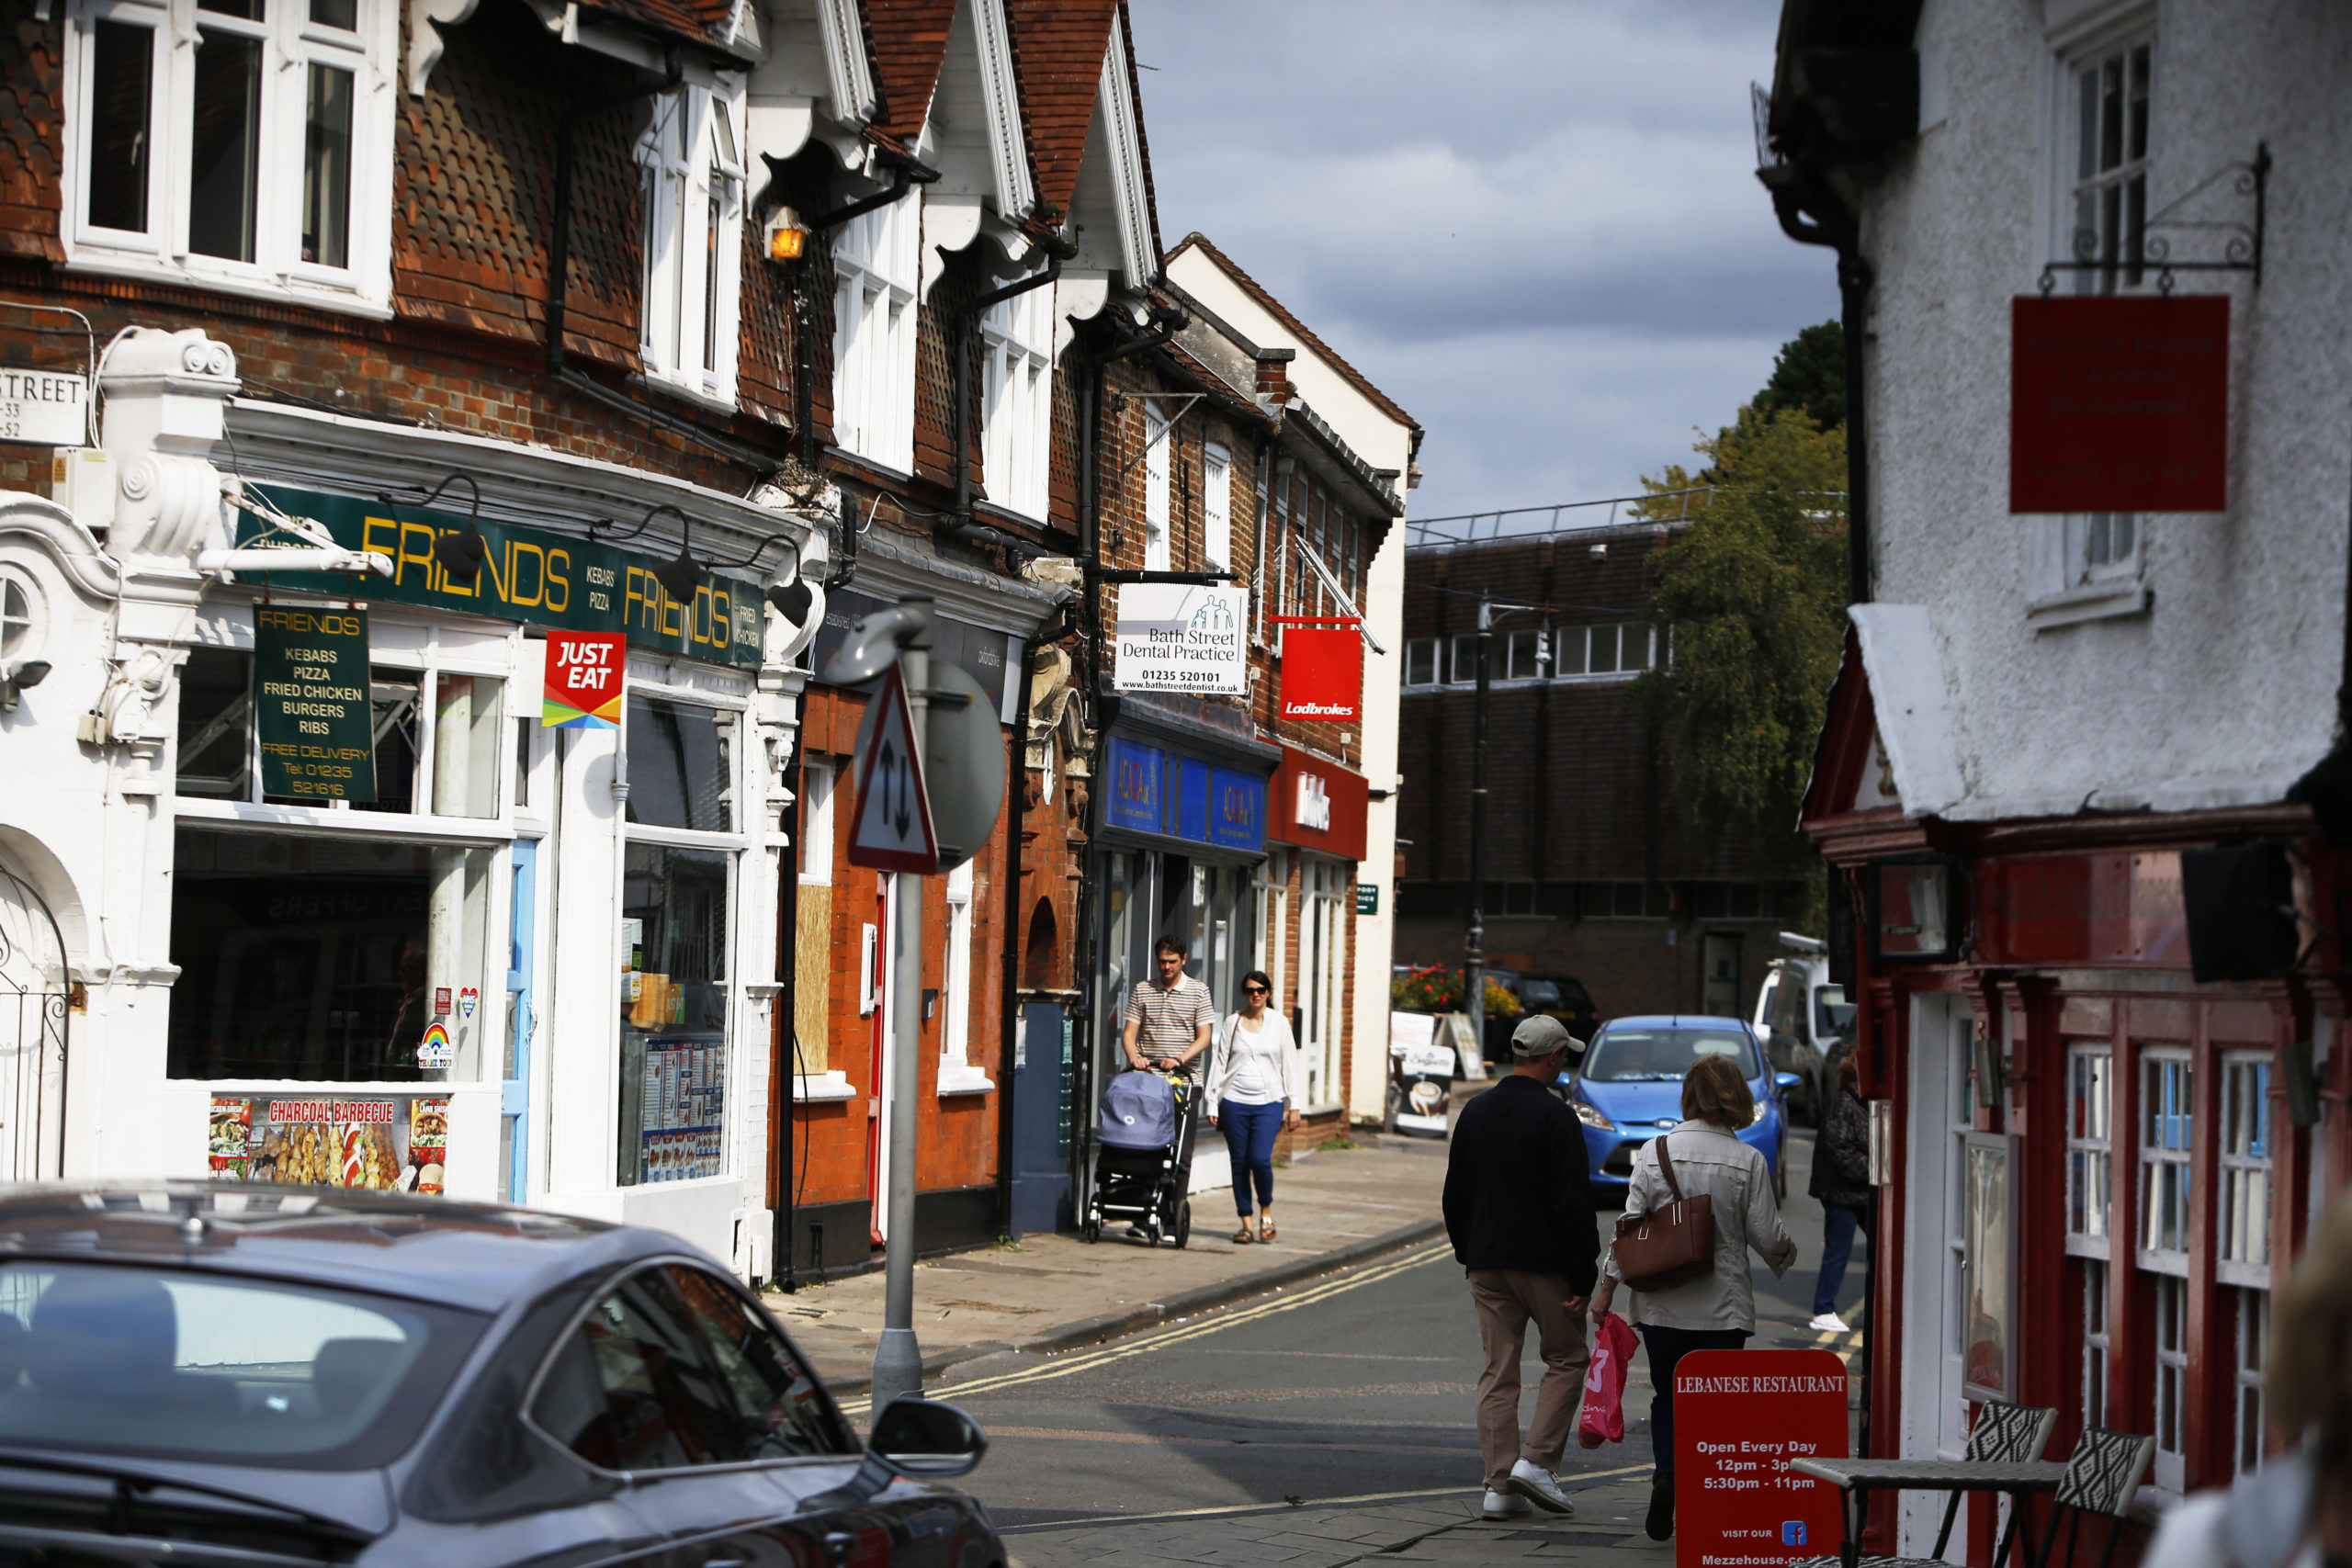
1181,637
527,574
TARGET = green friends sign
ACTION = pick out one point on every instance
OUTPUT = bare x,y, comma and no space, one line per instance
311,699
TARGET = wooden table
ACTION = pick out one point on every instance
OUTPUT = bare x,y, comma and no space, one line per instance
1855,1476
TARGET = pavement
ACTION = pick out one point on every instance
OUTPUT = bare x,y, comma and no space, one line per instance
1053,1292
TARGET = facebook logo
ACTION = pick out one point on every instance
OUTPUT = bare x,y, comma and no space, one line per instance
1791,1532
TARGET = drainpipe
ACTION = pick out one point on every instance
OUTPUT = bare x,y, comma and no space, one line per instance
1811,214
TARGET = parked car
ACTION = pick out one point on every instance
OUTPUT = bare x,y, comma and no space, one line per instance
1803,1019
1561,996
246,1374
1628,1089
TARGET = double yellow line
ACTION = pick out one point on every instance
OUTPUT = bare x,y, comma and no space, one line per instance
1148,1343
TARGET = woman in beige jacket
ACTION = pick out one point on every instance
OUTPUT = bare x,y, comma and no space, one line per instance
1714,1312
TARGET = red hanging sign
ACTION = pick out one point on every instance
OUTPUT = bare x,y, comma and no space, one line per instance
1322,667
2119,403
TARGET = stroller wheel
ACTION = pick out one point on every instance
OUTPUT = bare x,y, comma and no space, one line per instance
1184,1222
1092,1231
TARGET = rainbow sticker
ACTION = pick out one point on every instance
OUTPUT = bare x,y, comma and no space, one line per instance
436,1049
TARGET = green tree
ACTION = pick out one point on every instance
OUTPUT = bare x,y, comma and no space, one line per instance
1754,592
1809,375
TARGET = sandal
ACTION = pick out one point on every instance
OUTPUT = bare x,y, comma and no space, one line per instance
1266,1233
1243,1236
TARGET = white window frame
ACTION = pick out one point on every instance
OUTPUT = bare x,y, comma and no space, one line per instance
956,1074
2090,1149
1017,401
2169,1348
1216,507
2241,1242
292,44
691,326
2160,1162
1537,660
2252,1361
1423,654
2098,1339
1158,475
876,259
2115,44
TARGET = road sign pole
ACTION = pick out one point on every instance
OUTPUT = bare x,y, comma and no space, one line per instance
897,1358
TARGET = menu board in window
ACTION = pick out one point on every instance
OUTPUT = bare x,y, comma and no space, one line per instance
685,1102
381,1143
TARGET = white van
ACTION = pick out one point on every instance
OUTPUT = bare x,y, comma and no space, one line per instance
1805,1022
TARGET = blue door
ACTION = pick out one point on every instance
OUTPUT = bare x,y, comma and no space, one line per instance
514,1104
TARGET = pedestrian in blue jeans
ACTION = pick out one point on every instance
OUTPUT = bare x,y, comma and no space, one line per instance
1841,1179
1253,1093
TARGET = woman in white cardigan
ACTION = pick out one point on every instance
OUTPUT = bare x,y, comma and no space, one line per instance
1253,1093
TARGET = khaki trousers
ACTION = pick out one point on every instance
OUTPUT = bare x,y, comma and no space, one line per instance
1506,1299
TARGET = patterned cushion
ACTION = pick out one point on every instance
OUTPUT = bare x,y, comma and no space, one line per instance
2010,1434
2104,1472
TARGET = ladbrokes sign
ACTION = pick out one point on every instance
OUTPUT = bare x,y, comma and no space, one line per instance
527,574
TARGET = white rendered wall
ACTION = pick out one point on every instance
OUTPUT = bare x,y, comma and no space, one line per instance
2223,692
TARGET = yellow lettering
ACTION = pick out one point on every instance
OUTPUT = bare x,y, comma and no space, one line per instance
516,553
423,557
556,580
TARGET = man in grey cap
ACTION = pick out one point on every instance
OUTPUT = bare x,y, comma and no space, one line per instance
1519,1208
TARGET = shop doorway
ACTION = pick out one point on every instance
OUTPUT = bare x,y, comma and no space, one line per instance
1943,1114
36,1002
1322,942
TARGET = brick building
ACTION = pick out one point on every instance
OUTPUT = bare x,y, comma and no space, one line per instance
1594,868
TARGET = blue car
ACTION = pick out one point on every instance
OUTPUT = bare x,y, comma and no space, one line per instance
1628,1089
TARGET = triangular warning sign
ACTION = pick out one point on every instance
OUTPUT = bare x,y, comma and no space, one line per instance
892,830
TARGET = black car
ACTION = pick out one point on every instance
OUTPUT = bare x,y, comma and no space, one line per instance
1561,996
216,1374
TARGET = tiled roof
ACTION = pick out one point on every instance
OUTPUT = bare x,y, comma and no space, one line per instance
1057,54
909,39
1274,307
702,21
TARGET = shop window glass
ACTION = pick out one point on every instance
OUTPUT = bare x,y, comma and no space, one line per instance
2090,1105
673,1013
465,746
326,959
2167,1133
397,694
216,724
681,765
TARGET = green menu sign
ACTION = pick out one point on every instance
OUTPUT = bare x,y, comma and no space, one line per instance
527,574
310,698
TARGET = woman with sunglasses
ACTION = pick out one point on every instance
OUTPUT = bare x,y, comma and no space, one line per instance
1253,1093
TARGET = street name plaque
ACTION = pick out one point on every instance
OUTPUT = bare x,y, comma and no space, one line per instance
1740,1417
311,697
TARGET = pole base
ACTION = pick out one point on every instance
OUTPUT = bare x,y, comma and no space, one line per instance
897,1368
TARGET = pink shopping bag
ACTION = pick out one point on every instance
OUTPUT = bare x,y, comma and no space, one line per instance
1602,1420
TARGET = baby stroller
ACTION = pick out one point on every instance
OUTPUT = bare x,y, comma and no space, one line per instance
1138,1173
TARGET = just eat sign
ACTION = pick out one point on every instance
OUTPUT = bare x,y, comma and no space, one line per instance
2119,403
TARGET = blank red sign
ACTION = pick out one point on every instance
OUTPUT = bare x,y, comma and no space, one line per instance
2119,403
1739,1418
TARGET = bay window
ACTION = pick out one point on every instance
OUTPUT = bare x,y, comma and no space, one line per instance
1016,401
694,241
236,143
875,263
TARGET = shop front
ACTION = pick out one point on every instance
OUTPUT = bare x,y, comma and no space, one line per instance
372,918
1316,816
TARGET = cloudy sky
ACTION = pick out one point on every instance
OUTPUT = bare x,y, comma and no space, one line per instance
1535,224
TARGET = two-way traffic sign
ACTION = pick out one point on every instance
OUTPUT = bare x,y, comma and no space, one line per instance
892,830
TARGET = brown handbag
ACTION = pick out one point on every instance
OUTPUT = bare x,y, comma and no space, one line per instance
1668,1246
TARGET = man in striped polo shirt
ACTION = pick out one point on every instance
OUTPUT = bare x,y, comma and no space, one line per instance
1169,1024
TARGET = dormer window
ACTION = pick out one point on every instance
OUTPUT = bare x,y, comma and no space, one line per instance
233,144
694,241
1017,399
875,266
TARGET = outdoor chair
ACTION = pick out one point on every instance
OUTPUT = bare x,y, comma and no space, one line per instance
2004,1433
2102,1477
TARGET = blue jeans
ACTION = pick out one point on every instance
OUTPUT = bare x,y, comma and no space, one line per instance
1666,1347
1838,1228
1250,1133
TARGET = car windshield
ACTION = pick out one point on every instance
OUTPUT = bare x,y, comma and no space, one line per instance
169,1363
1663,1055
1537,994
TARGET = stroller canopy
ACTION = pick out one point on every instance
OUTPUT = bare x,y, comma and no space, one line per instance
1138,1112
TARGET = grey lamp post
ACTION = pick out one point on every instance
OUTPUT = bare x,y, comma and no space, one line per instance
1473,965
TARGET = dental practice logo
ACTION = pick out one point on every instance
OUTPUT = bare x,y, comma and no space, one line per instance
1215,615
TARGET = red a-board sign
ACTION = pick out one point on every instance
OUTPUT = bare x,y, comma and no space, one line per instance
2119,403
1322,671
1739,1418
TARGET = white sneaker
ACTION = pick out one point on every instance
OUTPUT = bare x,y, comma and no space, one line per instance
1504,1505
1829,1322
1531,1482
